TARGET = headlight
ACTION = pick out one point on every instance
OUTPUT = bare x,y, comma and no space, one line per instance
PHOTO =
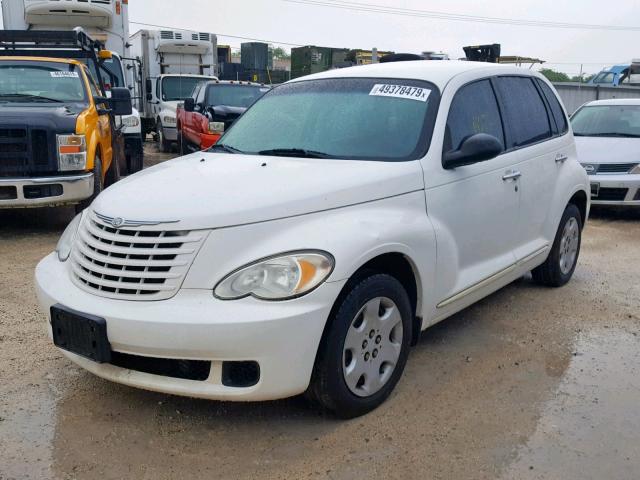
130,121
277,278
72,152
635,170
167,120
65,244
216,127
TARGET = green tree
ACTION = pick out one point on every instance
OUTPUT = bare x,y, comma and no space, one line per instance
280,53
554,76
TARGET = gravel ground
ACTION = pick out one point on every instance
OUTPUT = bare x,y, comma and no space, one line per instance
531,383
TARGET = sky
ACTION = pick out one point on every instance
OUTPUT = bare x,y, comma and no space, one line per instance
281,21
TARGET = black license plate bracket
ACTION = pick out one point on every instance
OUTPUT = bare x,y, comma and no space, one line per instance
80,333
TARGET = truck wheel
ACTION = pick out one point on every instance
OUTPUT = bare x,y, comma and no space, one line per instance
98,185
163,145
365,349
563,257
181,149
113,173
135,163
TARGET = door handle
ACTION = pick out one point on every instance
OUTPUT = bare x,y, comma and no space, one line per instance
512,175
561,158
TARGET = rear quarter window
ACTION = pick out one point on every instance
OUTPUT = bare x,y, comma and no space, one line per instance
556,110
525,115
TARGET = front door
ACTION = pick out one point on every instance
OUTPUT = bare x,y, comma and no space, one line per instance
474,208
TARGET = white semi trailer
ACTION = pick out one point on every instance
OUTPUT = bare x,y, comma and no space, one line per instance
104,20
172,63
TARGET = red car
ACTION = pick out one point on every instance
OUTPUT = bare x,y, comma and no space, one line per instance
212,108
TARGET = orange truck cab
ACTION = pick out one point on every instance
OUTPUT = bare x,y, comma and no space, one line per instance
58,140
212,108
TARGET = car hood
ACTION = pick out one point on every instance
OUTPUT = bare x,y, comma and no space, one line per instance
213,190
608,149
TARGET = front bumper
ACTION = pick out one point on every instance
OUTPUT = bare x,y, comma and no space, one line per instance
45,191
621,189
282,337
170,133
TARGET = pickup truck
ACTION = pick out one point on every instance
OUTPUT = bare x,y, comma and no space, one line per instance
60,144
211,109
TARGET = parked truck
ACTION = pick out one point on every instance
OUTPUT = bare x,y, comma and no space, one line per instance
619,75
172,62
59,142
105,21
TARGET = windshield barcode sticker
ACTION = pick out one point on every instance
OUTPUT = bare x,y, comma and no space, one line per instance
60,74
400,91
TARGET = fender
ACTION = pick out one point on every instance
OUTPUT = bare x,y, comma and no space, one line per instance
354,235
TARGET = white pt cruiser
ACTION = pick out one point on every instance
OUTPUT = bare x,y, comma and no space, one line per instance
342,214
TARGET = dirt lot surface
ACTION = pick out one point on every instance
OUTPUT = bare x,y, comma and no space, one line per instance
531,383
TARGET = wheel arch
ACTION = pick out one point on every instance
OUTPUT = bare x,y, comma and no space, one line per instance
579,199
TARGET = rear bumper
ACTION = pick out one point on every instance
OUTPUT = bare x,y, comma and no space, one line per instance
45,191
622,189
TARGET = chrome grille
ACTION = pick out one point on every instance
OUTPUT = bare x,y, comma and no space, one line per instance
135,263
605,168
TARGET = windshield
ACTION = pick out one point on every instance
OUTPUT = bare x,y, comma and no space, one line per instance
234,95
348,118
113,76
604,77
607,121
29,81
179,88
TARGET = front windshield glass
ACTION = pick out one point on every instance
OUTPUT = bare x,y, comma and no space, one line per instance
234,95
178,88
45,82
607,121
604,77
348,118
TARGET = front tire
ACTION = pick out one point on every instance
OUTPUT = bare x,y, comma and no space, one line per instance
365,348
98,185
163,145
558,269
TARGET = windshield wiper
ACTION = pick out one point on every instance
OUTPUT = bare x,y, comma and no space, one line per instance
610,134
294,152
29,96
226,148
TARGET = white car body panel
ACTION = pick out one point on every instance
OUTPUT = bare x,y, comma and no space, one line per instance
465,233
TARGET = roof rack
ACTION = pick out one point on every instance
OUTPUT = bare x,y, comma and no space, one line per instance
67,44
74,44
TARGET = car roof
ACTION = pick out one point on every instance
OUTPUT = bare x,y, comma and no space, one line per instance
614,101
41,59
438,72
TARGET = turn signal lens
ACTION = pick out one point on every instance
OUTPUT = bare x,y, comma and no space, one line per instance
277,278
72,152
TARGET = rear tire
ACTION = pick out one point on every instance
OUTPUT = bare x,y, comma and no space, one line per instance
181,149
558,269
365,348
98,185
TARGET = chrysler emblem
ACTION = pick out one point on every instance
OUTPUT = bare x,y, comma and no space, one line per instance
117,222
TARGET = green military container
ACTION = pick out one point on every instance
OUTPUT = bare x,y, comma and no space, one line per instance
310,59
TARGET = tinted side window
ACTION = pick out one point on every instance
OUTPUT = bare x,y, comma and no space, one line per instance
556,109
474,109
526,119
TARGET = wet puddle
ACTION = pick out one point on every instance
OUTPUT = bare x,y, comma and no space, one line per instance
591,427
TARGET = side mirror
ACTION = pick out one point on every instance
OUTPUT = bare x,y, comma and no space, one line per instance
148,85
149,97
476,148
189,104
120,101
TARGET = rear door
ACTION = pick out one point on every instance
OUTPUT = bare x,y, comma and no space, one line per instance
474,208
532,137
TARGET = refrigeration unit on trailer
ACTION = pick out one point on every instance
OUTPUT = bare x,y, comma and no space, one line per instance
106,21
173,63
